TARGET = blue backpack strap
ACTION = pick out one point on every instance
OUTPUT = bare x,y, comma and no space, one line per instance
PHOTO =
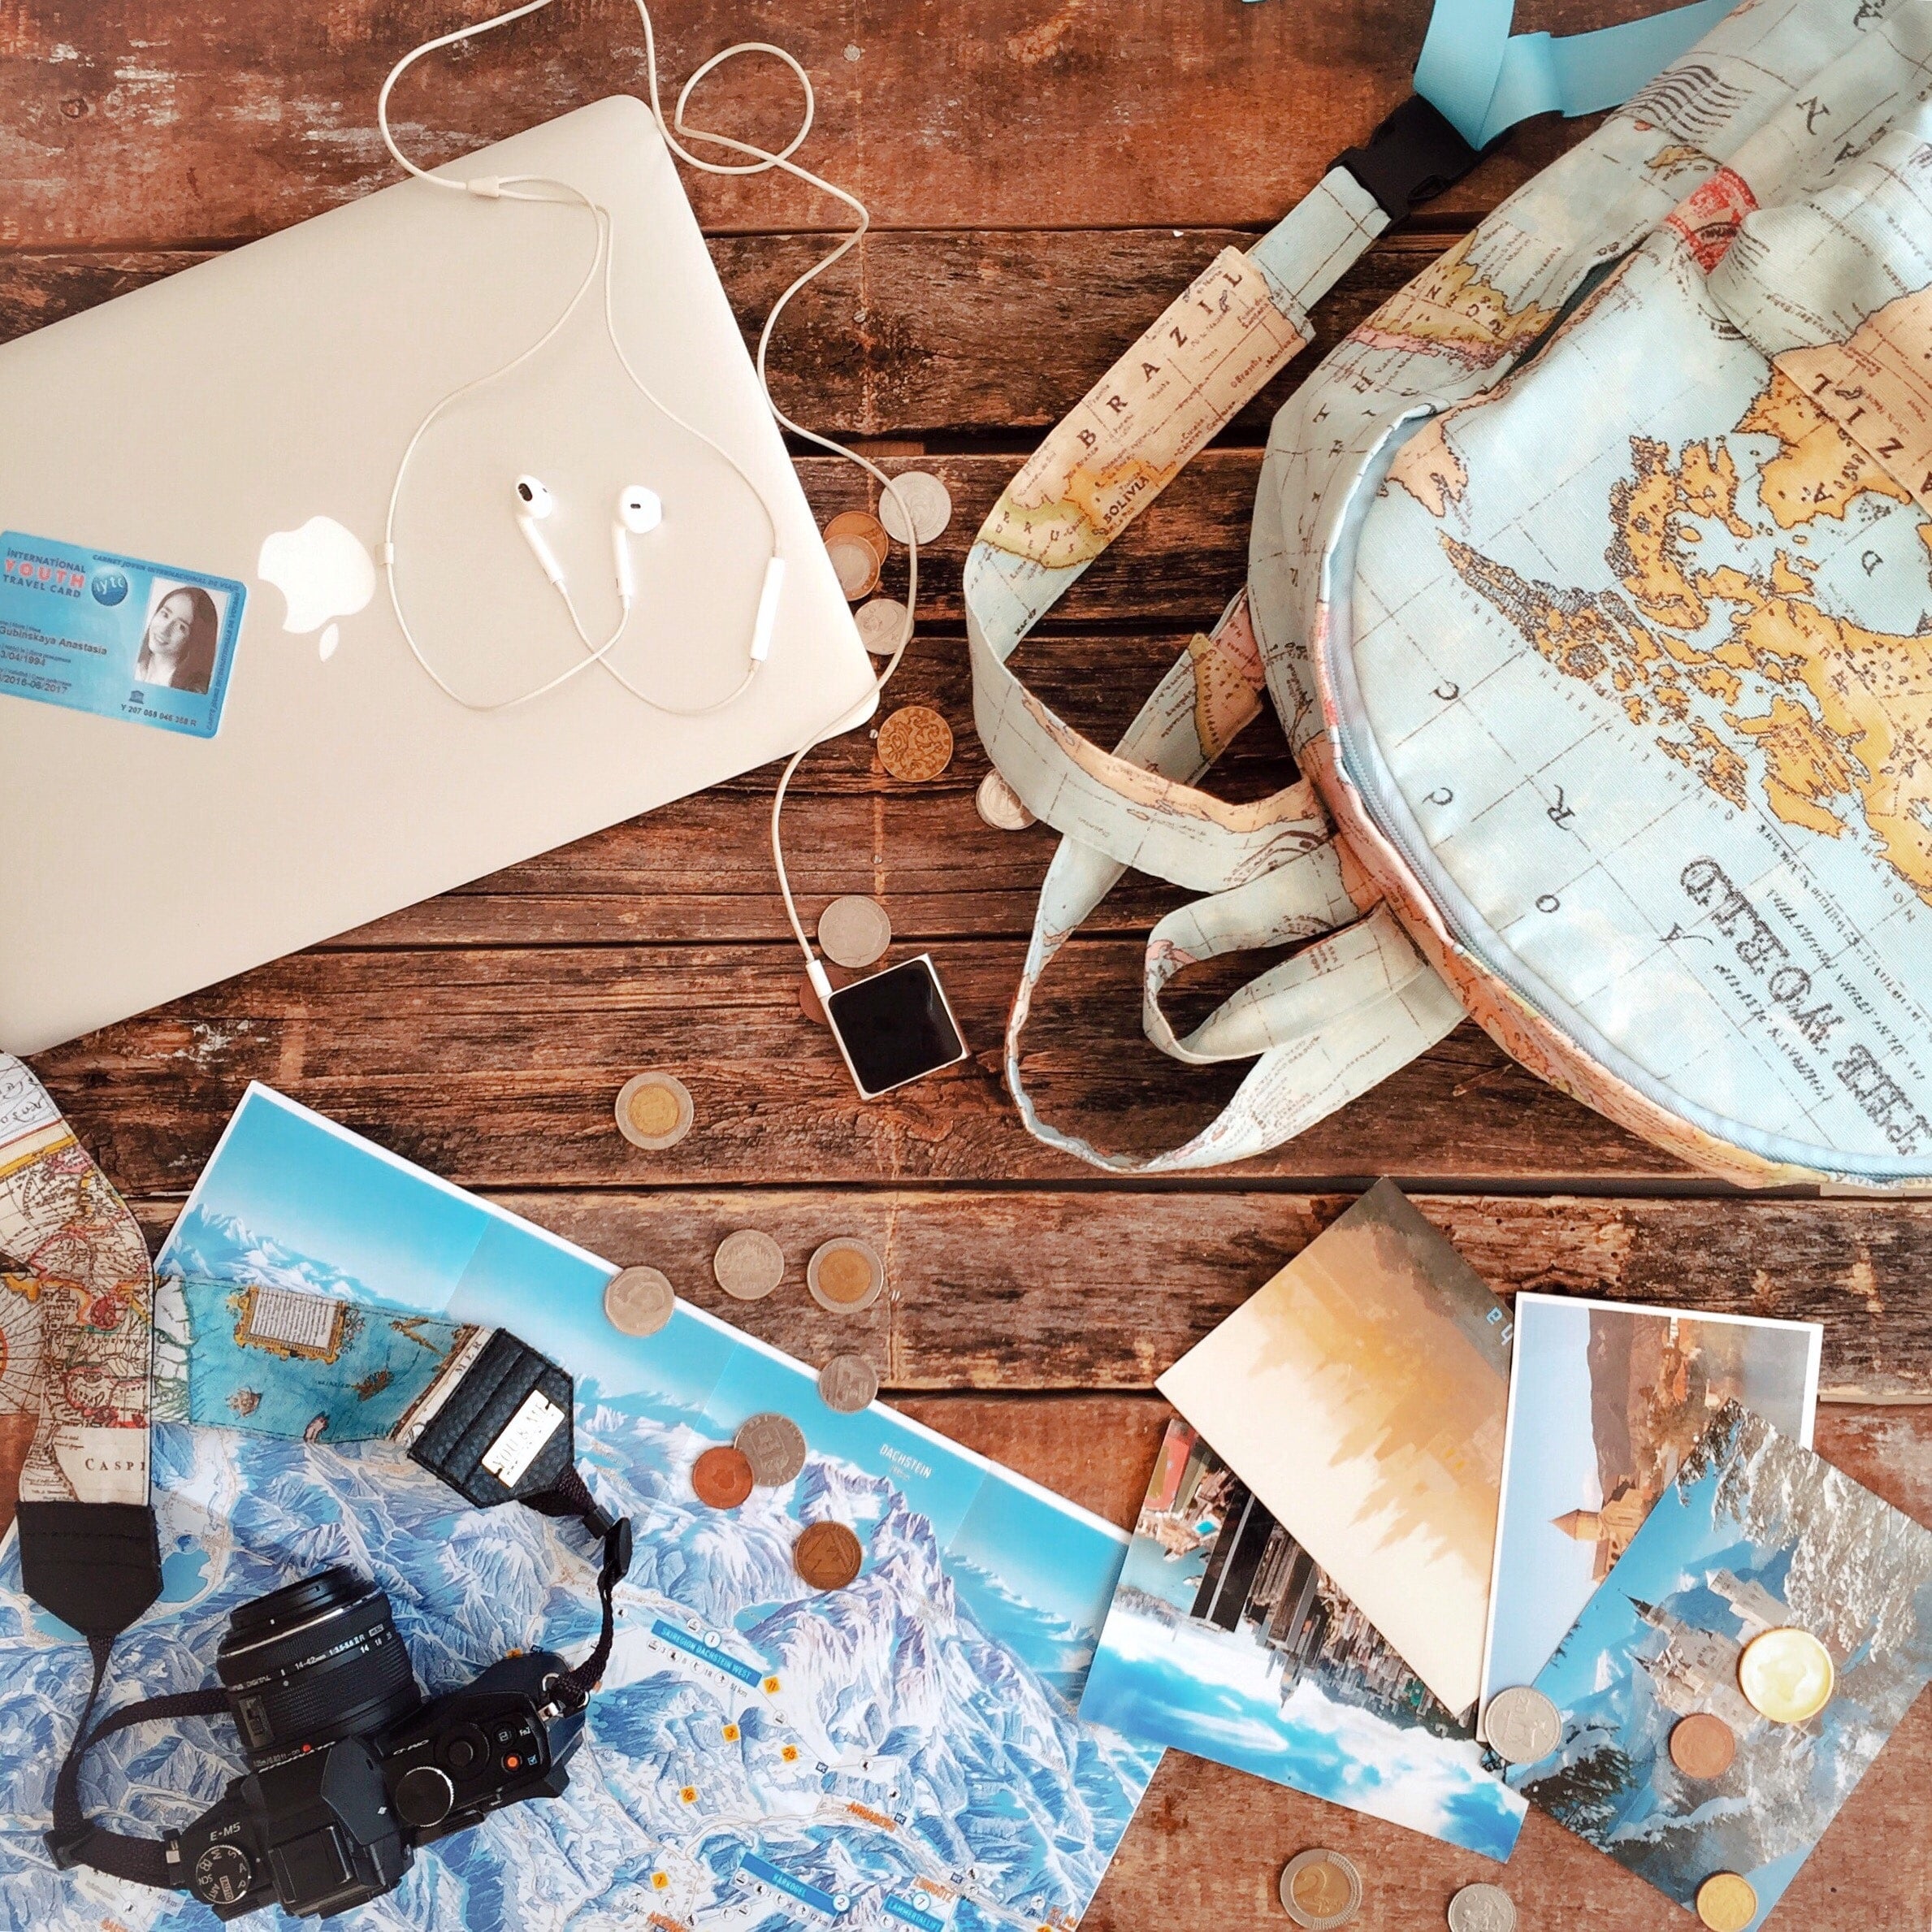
1483,79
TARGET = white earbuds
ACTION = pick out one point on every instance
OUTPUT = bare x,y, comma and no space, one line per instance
638,511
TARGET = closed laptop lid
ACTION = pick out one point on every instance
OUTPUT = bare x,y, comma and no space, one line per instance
241,424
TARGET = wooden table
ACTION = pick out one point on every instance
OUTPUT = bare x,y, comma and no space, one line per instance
1045,175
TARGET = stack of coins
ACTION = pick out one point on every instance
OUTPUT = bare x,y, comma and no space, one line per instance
857,545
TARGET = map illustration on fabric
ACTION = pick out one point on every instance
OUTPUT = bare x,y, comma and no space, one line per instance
902,1753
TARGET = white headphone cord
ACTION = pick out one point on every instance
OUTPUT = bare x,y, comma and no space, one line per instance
761,161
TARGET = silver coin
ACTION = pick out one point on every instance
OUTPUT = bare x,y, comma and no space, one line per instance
1482,1909
881,624
855,931
856,566
1521,1726
928,500
639,1301
844,1275
1001,807
748,1264
848,1384
775,1445
1320,1890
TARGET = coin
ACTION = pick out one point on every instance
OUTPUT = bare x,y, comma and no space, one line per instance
1482,1909
863,526
915,743
721,1477
639,1301
855,566
848,1383
1702,1745
654,1110
844,1275
776,1446
927,500
1000,806
1785,1676
855,931
881,624
1726,1903
748,1265
828,1556
1320,1890
1522,1726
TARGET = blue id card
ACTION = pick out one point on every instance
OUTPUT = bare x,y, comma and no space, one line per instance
115,636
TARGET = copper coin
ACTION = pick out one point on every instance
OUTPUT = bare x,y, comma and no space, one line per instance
865,527
721,1477
844,1275
1727,1903
1702,1745
915,743
856,566
828,1556
654,1110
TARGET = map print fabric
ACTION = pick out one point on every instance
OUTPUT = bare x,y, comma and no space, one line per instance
76,1306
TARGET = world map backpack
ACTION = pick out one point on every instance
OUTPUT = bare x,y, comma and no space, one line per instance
1591,578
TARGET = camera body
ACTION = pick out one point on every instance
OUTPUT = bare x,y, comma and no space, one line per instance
351,1768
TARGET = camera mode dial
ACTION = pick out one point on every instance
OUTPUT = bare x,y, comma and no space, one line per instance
224,1875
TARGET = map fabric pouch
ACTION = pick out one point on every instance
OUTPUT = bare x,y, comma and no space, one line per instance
93,631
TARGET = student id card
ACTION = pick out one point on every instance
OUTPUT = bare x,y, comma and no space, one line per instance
113,635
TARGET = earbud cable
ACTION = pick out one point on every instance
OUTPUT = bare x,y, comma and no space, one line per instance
761,161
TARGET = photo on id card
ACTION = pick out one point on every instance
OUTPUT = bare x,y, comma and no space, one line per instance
91,630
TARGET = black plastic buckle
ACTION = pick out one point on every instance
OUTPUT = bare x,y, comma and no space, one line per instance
1410,158
69,1848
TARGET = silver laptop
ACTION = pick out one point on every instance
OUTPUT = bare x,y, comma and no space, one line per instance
215,745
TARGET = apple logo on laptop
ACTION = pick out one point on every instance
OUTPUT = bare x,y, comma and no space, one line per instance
323,572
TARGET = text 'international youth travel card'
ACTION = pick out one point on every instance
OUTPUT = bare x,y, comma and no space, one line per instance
1605,1403
1360,1394
1227,1639
1783,1612
93,631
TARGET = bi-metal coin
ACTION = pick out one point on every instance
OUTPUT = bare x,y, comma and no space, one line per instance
828,1556
865,526
721,1477
1727,1903
748,1264
844,1275
654,1110
1482,1909
847,1384
639,1301
1785,1676
776,1446
1521,1726
856,566
1320,1890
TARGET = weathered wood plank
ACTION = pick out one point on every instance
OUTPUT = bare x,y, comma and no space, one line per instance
137,123
498,1068
914,333
1038,1290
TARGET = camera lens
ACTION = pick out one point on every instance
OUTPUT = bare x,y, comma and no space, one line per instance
316,1661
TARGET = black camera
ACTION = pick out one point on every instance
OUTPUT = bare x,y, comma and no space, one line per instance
351,1768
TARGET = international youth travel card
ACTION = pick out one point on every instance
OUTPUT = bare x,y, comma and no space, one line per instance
1754,1534
93,631
1605,1403
905,1752
1361,1396
1227,1639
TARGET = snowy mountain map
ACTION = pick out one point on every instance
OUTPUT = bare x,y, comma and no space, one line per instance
902,1753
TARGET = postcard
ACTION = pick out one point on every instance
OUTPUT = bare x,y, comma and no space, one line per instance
1227,1639
1754,1533
1361,1396
1606,1402
905,1751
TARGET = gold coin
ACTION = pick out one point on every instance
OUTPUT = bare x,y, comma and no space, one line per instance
1785,1676
1726,1903
1702,1746
1320,1890
863,526
915,743
654,1110
828,1556
856,566
844,1275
